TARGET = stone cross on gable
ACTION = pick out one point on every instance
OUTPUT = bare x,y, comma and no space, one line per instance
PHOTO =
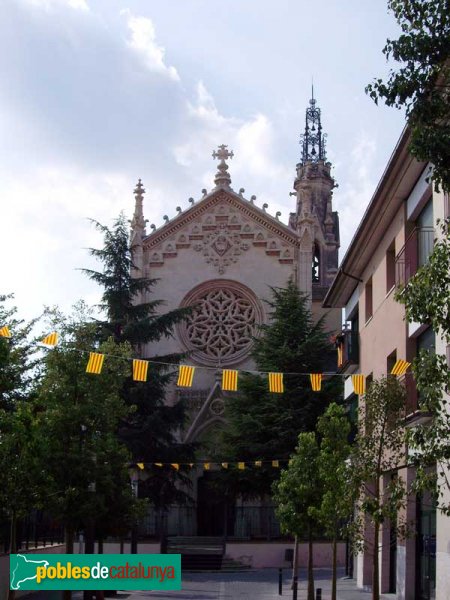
222,153
222,178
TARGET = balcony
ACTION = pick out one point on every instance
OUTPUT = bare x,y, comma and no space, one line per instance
414,414
347,343
414,254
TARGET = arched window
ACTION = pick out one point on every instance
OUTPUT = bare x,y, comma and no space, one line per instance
316,264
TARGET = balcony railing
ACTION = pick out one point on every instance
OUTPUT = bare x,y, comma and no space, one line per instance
414,254
415,414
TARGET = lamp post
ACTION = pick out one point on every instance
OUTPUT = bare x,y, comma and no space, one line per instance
134,479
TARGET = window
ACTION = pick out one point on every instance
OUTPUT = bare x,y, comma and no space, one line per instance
390,267
425,234
425,341
316,265
390,361
369,299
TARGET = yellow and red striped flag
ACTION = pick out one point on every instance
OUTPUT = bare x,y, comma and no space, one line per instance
340,355
140,368
51,339
229,380
207,466
276,383
258,463
316,381
4,332
141,466
400,367
275,463
185,376
176,466
359,384
158,464
95,363
225,465
241,465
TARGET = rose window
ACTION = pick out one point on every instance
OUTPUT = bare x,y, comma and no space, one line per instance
223,323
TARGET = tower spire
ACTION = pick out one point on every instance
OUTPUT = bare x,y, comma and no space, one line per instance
313,140
138,221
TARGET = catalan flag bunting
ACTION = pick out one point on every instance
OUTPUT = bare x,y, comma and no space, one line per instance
258,463
275,463
316,381
95,363
141,466
276,383
229,380
206,466
185,376
4,332
241,465
176,466
158,464
51,339
340,355
225,465
400,368
140,368
359,384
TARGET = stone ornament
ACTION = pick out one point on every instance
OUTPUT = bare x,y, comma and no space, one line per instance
221,247
225,319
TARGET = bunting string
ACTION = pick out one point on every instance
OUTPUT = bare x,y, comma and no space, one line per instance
240,465
229,382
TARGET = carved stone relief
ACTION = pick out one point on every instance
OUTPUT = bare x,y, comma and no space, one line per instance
221,328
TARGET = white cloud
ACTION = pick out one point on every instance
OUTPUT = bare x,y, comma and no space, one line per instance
49,4
48,233
252,141
143,42
352,199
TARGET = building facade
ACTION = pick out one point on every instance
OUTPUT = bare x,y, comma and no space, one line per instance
222,254
395,237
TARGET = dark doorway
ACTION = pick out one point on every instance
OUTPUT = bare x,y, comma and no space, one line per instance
215,515
426,548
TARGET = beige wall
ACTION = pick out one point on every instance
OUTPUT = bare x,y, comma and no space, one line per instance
385,331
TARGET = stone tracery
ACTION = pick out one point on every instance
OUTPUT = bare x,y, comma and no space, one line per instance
223,324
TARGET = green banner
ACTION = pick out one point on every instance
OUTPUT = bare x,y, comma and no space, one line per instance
95,571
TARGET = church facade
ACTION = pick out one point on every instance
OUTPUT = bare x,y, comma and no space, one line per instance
222,255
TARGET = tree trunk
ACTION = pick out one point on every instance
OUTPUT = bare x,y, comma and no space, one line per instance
295,562
375,570
333,581
12,548
310,566
68,536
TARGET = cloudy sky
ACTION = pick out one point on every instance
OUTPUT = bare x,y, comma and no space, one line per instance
97,93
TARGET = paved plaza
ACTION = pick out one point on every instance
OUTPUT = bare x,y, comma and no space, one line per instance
250,585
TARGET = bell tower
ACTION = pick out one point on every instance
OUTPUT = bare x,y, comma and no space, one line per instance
314,219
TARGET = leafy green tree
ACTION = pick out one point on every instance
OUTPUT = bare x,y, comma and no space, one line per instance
150,430
422,82
426,298
16,356
378,454
82,460
20,485
337,502
263,425
297,496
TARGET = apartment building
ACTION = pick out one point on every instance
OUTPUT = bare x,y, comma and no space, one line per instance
395,237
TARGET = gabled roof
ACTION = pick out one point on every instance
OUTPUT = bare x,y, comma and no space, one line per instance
220,194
